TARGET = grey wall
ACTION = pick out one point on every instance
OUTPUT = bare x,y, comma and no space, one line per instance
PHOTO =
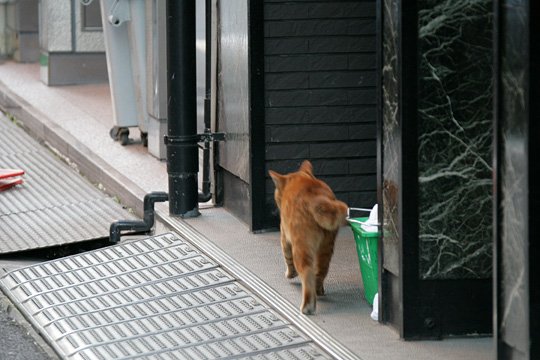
72,47
233,107
233,87
22,29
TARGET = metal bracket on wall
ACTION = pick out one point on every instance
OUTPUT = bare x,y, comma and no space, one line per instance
204,137
210,137
207,137
118,12
138,226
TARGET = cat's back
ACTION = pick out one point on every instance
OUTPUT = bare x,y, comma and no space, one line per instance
302,189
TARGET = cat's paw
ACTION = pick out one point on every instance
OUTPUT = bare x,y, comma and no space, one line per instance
291,273
308,309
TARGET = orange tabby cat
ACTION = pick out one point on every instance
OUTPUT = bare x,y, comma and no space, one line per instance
310,219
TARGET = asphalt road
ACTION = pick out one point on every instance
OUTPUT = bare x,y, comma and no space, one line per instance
17,340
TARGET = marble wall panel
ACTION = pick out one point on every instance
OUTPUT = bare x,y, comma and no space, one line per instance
391,137
513,179
455,138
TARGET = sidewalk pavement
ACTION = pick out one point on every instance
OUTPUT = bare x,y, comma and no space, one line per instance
76,121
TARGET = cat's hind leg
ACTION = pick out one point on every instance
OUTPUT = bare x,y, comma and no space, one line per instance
309,296
303,262
323,263
290,273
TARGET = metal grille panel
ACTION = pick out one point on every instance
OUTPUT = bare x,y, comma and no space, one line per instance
155,298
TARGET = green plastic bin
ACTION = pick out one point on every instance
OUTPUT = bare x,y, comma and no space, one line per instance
366,247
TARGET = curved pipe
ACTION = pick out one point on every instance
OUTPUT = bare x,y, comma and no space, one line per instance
115,231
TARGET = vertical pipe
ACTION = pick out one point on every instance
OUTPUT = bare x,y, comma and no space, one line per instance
206,194
181,140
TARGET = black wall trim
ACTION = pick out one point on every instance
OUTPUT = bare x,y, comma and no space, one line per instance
257,114
408,184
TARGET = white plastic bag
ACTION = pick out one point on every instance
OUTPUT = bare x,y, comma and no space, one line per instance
375,312
371,223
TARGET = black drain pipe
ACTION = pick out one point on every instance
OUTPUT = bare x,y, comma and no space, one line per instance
138,226
181,139
206,194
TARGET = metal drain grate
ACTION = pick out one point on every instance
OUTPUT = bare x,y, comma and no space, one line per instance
155,298
54,205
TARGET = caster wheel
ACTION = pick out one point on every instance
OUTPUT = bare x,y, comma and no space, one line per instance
123,137
113,133
144,139
120,134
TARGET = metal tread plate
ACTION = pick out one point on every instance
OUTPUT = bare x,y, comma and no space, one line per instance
54,205
155,298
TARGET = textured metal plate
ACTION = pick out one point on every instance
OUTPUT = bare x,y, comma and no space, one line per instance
54,205
155,298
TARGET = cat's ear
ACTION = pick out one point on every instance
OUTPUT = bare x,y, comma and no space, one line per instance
278,179
306,167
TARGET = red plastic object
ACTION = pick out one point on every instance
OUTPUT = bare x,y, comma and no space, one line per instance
6,184
8,173
7,178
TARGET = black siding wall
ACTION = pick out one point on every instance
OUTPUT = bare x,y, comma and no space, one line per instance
320,99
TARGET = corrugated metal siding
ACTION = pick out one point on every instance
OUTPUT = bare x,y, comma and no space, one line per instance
55,205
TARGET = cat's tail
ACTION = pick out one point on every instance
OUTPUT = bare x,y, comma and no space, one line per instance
329,214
